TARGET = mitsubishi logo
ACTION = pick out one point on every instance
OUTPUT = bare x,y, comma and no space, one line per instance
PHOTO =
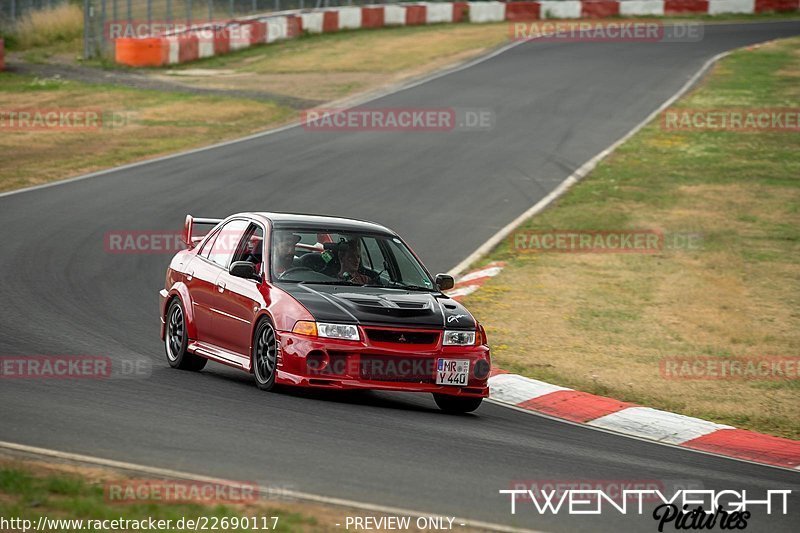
402,338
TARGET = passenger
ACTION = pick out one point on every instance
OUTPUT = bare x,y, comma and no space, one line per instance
283,246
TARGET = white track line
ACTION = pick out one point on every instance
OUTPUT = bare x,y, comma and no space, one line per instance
303,496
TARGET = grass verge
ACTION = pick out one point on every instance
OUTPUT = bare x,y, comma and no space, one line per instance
602,323
133,124
58,26
30,490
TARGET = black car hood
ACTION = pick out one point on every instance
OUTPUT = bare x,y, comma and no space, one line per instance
380,305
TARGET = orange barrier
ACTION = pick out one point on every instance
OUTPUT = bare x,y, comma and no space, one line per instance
460,11
602,8
149,52
516,11
685,6
415,15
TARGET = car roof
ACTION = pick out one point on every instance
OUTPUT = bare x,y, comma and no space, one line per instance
307,221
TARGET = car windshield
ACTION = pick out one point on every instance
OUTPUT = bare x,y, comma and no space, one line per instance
337,258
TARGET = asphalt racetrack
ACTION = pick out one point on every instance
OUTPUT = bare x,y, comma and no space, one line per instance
555,105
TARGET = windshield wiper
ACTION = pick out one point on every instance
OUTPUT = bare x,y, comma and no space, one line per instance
333,282
406,286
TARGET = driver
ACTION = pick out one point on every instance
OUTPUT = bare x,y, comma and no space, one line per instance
283,251
350,268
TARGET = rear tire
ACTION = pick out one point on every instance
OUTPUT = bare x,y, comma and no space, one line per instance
456,404
176,340
265,355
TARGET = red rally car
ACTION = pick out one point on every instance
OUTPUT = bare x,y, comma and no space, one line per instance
324,302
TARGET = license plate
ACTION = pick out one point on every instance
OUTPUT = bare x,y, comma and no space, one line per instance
452,372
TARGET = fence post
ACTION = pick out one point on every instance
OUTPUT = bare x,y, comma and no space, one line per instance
87,5
102,37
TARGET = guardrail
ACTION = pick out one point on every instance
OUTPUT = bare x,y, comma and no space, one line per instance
173,44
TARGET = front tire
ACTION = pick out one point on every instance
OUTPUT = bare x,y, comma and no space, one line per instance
456,404
176,340
265,355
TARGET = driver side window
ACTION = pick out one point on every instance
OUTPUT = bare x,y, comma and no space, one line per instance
251,247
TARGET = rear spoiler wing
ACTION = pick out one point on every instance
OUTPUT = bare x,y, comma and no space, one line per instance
190,239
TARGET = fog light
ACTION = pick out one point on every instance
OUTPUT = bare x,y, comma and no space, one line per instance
481,369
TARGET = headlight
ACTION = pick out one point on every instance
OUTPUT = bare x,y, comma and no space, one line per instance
338,331
459,338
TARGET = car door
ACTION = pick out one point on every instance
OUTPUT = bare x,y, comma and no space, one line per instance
201,279
242,297
209,290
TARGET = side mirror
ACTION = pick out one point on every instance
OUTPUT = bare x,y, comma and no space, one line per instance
244,269
445,282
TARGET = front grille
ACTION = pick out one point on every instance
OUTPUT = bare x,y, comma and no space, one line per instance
402,336
397,369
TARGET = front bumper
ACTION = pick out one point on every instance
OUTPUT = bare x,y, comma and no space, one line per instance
337,364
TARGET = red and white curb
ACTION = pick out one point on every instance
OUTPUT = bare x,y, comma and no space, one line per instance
471,282
642,422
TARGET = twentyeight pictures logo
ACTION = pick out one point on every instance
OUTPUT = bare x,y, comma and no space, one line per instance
683,509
